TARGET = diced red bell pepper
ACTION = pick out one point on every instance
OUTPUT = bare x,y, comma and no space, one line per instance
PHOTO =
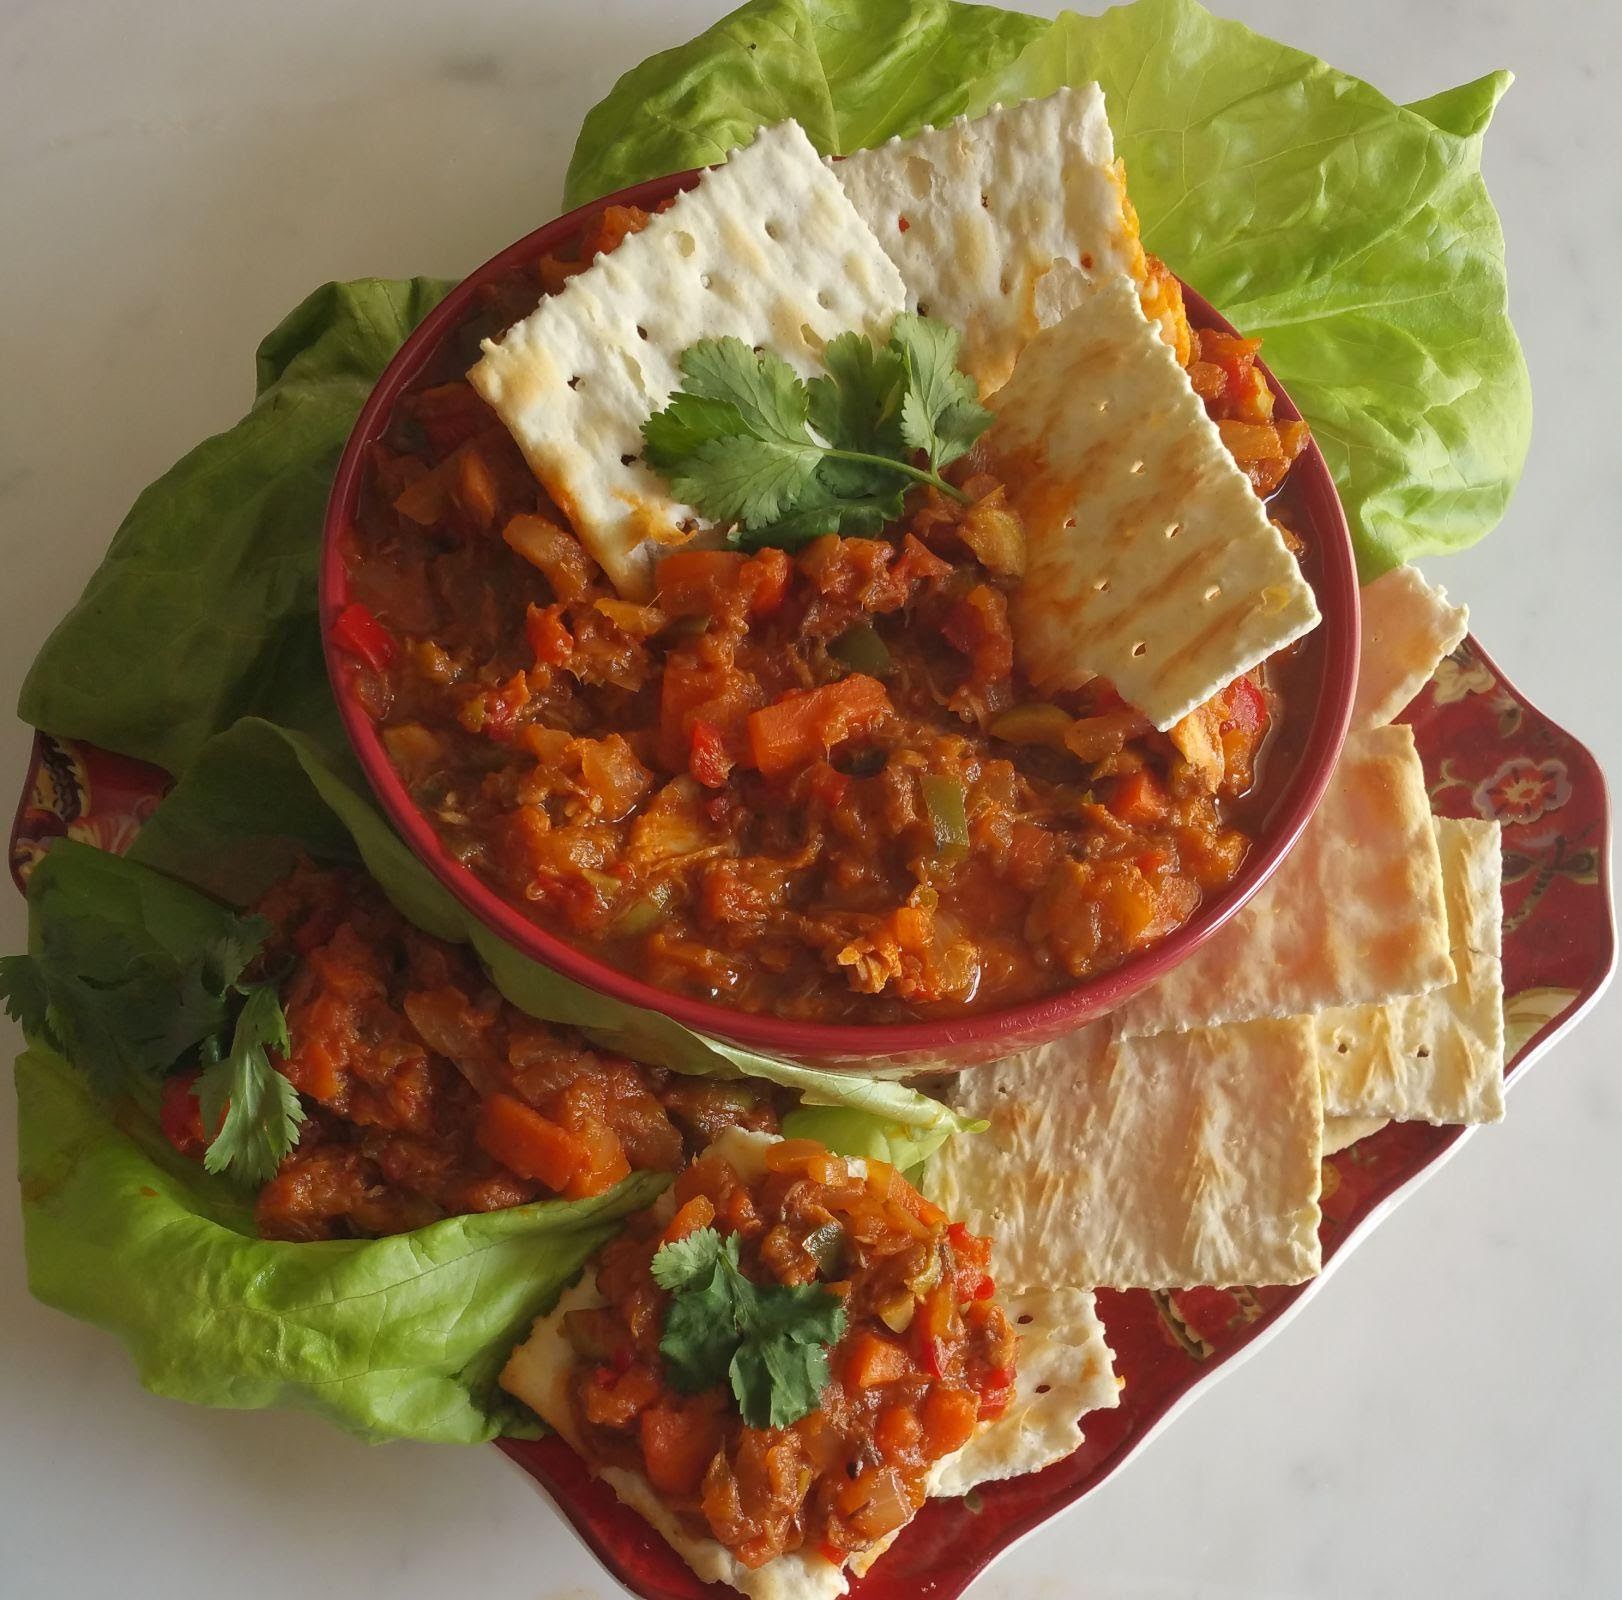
995,1393
180,1116
707,758
548,637
1246,706
359,633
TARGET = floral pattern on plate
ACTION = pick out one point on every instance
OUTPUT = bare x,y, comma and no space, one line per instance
1487,753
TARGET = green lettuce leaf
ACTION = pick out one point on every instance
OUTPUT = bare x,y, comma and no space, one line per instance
210,584
851,74
1354,235
389,1338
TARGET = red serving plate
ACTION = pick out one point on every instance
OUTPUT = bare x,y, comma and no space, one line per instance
1488,752
1326,678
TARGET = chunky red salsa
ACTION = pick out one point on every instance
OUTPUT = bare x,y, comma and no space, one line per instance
927,1353
812,782
428,1095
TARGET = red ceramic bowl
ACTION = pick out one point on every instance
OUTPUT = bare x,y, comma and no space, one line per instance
1322,702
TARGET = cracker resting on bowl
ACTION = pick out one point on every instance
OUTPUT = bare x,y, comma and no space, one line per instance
1353,915
1408,627
1165,1163
979,214
1434,1057
766,248
1150,560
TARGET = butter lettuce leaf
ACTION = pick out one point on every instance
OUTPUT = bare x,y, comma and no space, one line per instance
851,74
390,1338
203,610
1356,236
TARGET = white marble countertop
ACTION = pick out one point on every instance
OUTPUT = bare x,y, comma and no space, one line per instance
174,175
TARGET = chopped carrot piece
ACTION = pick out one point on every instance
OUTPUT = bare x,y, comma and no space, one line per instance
871,1360
678,1444
531,1145
805,724
949,1419
699,1212
1139,799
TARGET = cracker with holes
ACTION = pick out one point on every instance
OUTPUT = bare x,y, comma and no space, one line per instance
1439,1056
765,249
1186,1159
1150,561
917,1392
1408,626
1353,916
998,226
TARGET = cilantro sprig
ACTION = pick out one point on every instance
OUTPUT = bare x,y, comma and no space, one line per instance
255,1108
770,1342
746,441
125,1002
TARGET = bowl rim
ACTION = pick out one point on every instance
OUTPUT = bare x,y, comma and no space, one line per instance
977,1036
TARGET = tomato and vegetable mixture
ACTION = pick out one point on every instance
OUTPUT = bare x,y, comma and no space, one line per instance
787,1355
806,780
425,1094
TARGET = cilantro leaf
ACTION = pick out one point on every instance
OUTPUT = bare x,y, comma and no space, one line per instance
940,412
778,1381
683,1262
746,442
699,1339
823,509
770,1342
129,971
27,994
763,388
805,1313
255,1107
751,480
229,955
670,436
857,405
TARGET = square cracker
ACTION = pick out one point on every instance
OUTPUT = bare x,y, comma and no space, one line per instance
1353,915
1187,1159
1065,1370
538,1373
1341,1133
766,248
977,215
1150,559
1062,1354
1408,627
1435,1057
